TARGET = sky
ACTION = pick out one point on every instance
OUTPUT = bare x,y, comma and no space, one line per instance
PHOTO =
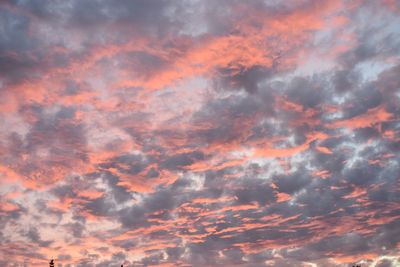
200,133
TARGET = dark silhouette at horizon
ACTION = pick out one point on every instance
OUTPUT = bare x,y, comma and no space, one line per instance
51,264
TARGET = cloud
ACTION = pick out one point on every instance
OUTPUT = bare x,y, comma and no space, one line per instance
201,133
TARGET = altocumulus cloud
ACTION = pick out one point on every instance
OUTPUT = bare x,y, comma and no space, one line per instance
200,133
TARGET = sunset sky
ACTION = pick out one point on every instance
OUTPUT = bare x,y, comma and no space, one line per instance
200,133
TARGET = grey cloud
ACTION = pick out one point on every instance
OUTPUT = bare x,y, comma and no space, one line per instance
384,263
377,40
101,206
305,92
119,193
246,79
76,229
34,235
366,98
17,63
243,110
254,190
227,115
181,160
129,163
344,80
292,183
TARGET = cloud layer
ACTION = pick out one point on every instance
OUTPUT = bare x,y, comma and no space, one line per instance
200,133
